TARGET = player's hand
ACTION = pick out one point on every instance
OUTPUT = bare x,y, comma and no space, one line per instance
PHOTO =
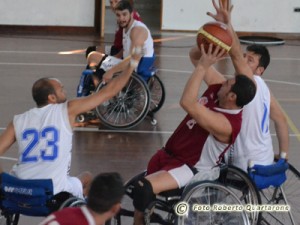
213,54
223,11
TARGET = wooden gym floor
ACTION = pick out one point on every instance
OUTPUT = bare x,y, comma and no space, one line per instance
25,58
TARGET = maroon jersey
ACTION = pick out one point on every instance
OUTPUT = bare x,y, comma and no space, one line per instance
186,143
70,216
119,33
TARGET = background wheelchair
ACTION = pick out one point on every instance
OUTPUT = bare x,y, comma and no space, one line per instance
138,99
31,198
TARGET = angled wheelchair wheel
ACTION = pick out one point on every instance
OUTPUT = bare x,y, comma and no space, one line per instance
128,108
212,198
157,93
243,187
286,195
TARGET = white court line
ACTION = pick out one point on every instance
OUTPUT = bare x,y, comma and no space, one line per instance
95,129
158,55
8,158
166,70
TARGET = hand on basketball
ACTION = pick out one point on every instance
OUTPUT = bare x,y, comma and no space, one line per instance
223,11
213,54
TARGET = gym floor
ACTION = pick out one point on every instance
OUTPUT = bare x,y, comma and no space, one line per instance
25,58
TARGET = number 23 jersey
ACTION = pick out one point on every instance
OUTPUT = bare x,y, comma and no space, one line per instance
44,137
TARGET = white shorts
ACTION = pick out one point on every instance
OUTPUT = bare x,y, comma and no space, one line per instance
182,175
74,186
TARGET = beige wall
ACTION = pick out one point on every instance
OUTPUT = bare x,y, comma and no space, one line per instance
248,15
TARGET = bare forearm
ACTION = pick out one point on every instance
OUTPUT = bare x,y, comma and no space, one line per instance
191,90
282,133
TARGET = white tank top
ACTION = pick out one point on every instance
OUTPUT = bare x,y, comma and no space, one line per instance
44,137
254,141
148,45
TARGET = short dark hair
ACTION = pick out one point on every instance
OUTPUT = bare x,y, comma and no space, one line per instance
106,190
263,52
244,88
123,5
41,89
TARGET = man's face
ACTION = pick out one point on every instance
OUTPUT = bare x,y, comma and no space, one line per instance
113,4
60,92
123,18
225,89
253,62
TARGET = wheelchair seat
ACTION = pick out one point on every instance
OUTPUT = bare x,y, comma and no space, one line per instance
270,175
30,197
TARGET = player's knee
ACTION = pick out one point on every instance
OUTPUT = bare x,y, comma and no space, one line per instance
142,194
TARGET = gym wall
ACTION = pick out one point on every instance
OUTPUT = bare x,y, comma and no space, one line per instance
79,13
276,16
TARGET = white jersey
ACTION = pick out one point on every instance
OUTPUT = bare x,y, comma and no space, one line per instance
148,48
254,142
44,137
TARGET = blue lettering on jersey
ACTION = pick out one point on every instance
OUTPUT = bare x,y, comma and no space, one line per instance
51,137
264,124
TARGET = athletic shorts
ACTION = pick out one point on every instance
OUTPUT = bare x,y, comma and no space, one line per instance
145,68
178,170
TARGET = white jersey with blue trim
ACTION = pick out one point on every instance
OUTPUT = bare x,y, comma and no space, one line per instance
44,137
254,141
148,48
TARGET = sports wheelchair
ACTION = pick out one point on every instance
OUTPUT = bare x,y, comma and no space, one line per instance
130,106
31,198
165,209
233,187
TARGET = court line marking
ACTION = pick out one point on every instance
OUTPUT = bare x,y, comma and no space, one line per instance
82,52
88,129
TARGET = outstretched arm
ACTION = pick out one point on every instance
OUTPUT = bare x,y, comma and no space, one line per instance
215,123
223,14
81,105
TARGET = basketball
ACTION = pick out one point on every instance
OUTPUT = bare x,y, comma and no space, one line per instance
216,33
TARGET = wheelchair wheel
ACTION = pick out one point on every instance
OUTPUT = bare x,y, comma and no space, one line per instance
215,197
243,187
287,195
73,202
128,108
157,92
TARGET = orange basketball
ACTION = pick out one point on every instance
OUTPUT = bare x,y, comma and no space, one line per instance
216,33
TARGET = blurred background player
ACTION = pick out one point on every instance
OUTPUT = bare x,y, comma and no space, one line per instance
117,46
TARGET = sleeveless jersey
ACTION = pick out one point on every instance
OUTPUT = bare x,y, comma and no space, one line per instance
119,32
190,141
70,216
254,141
44,138
148,49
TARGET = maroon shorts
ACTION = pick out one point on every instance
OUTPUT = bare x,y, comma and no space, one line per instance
162,161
